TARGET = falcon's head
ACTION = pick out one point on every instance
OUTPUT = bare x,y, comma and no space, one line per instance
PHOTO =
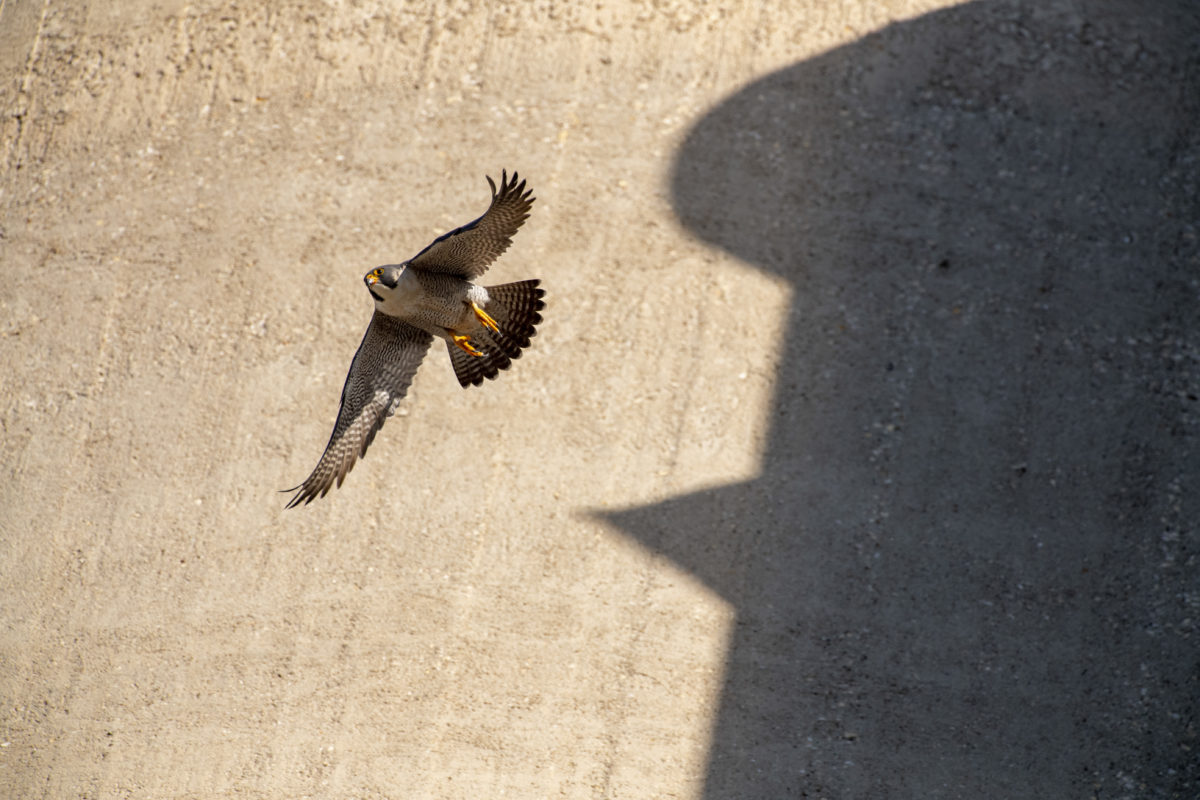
382,280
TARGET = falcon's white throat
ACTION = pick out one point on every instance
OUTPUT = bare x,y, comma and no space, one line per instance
403,300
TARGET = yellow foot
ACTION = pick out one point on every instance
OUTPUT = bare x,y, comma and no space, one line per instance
485,319
464,344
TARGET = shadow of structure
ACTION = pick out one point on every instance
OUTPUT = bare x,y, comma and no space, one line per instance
969,565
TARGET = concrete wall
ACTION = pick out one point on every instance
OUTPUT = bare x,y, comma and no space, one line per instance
856,457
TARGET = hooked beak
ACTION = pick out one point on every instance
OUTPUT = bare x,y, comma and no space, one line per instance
370,279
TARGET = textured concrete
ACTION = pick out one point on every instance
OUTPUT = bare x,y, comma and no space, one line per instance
857,456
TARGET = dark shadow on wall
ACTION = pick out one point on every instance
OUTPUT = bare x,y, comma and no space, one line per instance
969,566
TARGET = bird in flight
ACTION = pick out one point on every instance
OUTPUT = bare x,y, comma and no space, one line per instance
432,294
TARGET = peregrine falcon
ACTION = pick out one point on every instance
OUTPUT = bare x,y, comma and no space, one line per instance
432,294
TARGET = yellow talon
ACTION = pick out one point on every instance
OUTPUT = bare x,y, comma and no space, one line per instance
485,319
464,344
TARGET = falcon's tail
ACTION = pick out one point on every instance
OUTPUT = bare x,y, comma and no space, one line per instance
514,307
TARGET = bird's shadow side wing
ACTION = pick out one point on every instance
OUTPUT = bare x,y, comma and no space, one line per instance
382,370
468,251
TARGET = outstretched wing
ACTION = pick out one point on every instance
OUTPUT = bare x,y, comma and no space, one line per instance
468,251
379,376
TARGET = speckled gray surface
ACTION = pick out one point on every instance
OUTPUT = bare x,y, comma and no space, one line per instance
969,567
